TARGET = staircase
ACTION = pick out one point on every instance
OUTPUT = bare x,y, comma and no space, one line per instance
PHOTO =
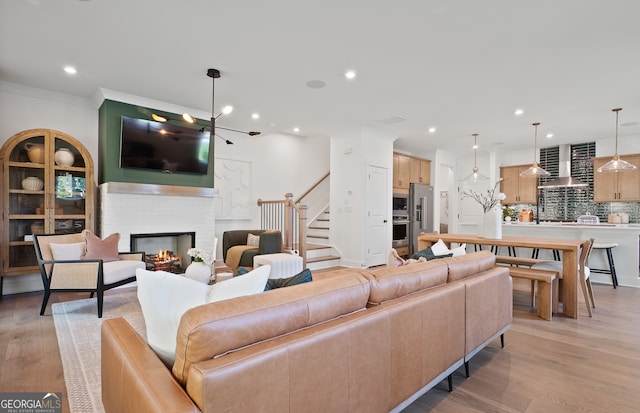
319,253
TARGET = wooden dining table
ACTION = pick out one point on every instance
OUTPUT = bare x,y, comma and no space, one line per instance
570,252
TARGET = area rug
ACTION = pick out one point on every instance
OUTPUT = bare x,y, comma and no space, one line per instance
78,331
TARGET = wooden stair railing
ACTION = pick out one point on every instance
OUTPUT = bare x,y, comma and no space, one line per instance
288,217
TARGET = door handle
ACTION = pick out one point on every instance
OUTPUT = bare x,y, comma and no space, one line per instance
384,222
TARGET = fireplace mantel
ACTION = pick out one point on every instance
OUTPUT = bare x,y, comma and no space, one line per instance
153,189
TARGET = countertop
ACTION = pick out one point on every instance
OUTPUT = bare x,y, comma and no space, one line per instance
602,225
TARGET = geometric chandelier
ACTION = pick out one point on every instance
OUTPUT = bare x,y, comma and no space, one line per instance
213,74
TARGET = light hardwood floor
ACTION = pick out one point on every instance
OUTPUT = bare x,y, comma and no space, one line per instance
566,365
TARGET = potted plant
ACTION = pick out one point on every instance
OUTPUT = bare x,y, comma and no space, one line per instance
508,213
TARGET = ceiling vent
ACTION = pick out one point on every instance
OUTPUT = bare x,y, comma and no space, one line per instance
389,120
564,179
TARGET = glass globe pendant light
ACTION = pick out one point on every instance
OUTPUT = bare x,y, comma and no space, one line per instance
475,176
616,164
535,169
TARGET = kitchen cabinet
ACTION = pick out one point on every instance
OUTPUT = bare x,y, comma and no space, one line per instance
47,188
517,189
616,186
420,171
408,169
401,172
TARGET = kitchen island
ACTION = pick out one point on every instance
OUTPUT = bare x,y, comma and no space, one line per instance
626,256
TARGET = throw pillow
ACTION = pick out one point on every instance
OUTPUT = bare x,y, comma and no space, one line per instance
67,252
253,240
461,250
165,297
428,254
300,278
250,283
394,259
98,249
439,248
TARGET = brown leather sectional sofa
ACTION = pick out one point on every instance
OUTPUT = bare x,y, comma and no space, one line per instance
354,341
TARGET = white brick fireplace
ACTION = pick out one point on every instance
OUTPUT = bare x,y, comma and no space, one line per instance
144,208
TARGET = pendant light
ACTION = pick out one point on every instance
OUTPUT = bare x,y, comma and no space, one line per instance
535,169
475,176
616,164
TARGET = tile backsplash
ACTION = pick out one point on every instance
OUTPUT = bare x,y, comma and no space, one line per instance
567,204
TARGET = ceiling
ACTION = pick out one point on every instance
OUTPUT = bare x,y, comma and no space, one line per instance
461,66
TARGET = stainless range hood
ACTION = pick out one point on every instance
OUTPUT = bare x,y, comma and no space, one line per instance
564,179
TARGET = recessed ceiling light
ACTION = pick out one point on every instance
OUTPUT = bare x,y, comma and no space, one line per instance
518,112
70,70
296,129
432,130
255,116
475,146
549,135
350,74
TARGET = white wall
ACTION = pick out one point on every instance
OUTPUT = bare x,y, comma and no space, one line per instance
351,153
24,108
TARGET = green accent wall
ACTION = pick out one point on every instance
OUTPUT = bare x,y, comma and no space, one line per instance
109,150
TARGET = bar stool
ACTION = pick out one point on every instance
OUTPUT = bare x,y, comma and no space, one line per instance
612,268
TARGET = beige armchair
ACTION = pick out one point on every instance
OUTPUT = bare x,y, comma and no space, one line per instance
73,274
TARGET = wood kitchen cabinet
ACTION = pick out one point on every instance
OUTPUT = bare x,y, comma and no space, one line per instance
47,188
616,186
408,169
420,171
517,189
401,172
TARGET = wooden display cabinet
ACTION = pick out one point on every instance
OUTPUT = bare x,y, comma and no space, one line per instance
40,196
517,189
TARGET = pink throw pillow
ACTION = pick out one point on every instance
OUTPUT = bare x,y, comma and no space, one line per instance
98,249
395,260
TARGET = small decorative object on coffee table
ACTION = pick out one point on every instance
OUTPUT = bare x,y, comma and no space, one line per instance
200,268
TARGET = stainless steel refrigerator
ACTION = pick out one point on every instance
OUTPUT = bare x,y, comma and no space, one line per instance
420,213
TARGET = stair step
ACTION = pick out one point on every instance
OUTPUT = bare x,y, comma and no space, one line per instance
318,236
314,227
311,246
323,220
323,258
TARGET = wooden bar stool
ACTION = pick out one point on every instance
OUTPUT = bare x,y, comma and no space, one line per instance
612,268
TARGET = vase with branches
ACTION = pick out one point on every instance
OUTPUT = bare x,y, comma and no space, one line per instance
490,202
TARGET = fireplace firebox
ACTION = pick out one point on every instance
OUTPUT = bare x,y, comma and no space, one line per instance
165,251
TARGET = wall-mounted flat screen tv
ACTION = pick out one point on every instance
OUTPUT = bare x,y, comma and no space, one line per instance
146,144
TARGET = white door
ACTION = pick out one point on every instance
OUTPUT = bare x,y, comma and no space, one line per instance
377,243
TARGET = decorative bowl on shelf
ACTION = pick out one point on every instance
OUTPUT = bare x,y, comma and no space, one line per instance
32,183
35,152
64,157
